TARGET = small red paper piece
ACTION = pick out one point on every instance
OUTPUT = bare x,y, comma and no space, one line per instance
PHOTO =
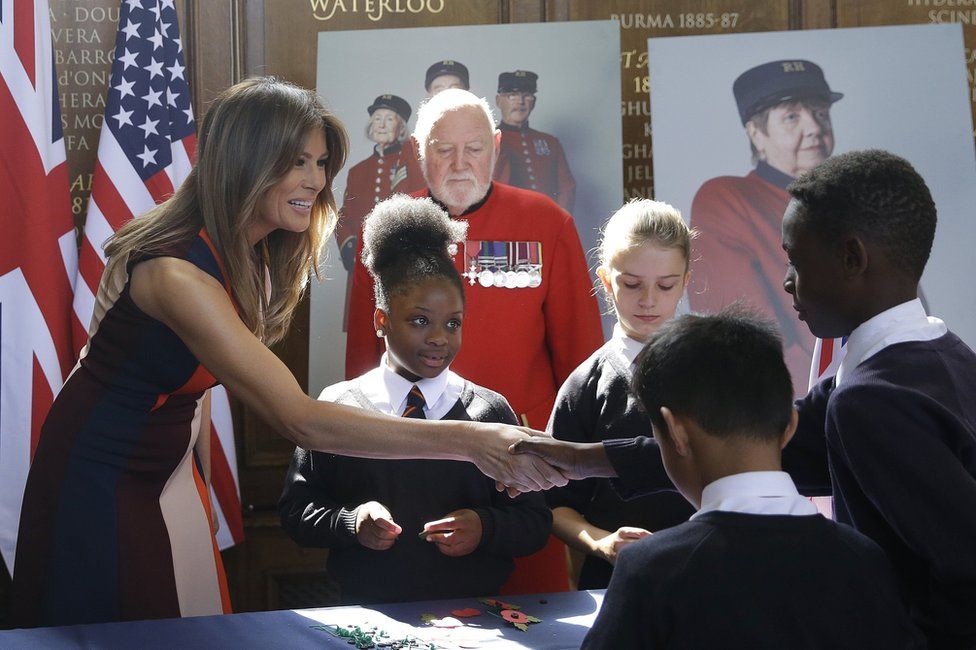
513,616
468,612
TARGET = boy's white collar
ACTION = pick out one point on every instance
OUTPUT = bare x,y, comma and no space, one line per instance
759,493
901,323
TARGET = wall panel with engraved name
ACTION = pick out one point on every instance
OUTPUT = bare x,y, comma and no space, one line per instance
83,34
865,13
649,18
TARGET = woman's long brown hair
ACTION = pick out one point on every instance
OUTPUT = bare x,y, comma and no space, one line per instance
248,141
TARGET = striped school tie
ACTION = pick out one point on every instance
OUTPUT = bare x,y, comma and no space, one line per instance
415,404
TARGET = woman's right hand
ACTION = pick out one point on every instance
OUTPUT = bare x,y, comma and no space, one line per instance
518,472
609,547
375,527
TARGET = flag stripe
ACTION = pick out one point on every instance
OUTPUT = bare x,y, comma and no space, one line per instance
223,481
826,354
114,209
121,175
160,186
24,36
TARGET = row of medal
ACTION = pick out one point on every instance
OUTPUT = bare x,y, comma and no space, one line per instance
503,264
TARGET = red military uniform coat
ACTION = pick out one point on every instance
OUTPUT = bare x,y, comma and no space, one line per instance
414,181
740,256
521,342
534,160
369,182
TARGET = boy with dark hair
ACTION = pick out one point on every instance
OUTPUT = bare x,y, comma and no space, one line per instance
898,419
898,422
756,567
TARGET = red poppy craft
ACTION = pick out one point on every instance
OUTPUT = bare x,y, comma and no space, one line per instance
519,619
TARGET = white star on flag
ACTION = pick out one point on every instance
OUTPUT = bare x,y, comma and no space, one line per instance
176,70
131,30
152,98
129,58
149,126
124,117
155,69
125,88
147,156
156,39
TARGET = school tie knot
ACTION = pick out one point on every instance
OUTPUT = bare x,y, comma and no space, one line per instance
415,404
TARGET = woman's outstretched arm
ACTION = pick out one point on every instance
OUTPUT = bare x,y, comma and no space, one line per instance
196,307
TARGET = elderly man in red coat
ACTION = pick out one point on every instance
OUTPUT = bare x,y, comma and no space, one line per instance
530,315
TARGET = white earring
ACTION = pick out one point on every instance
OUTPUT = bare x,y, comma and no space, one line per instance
379,333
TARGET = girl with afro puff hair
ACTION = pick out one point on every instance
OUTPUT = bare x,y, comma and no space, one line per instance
414,529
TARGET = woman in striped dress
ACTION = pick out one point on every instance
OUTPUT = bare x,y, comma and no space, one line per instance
115,522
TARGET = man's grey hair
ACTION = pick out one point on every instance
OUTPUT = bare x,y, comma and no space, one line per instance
443,102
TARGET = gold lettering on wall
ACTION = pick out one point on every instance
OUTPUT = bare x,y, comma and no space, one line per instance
83,35
375,10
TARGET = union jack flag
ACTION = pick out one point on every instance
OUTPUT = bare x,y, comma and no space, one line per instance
145,150
38,253
827,355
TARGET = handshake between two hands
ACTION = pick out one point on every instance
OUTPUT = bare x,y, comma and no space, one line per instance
539,462
457,533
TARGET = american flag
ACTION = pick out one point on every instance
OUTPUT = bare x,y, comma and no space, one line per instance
38,255
145,150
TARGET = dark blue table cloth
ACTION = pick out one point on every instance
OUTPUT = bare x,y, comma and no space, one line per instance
566,617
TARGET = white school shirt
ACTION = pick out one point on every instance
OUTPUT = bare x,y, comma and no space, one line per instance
388,390
757,493
901,323
625,346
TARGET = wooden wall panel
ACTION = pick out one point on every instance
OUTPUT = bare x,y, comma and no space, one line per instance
643,19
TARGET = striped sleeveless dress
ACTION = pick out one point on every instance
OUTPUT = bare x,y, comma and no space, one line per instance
115,523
